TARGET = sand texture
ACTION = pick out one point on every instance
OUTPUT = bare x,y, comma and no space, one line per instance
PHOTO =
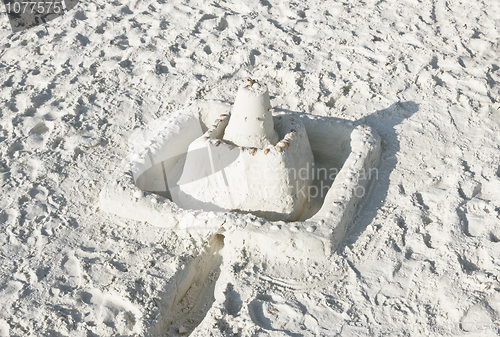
421,255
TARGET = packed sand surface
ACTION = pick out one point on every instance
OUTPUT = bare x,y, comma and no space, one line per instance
422,255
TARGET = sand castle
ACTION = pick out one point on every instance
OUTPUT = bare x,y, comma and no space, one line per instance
190,169
248,162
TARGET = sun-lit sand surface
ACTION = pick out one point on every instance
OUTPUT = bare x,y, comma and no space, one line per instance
421,253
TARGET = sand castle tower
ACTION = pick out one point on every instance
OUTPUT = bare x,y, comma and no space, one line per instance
251,124
249,161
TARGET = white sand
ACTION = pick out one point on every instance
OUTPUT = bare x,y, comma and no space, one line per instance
421,256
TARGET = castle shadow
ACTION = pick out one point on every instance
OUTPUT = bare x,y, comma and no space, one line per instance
384,122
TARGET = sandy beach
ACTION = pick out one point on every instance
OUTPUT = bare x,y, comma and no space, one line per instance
421,256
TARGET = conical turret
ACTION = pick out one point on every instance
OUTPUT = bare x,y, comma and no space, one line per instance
251,124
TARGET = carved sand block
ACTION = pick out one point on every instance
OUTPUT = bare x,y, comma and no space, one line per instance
244,163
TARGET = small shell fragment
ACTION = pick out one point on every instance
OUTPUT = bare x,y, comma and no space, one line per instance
248,82
266,151
252,152
217,143
292,119
294,131
279,149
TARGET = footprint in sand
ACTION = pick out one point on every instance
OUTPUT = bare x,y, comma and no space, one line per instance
111,314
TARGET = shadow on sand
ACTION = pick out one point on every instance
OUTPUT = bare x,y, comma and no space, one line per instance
384,122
